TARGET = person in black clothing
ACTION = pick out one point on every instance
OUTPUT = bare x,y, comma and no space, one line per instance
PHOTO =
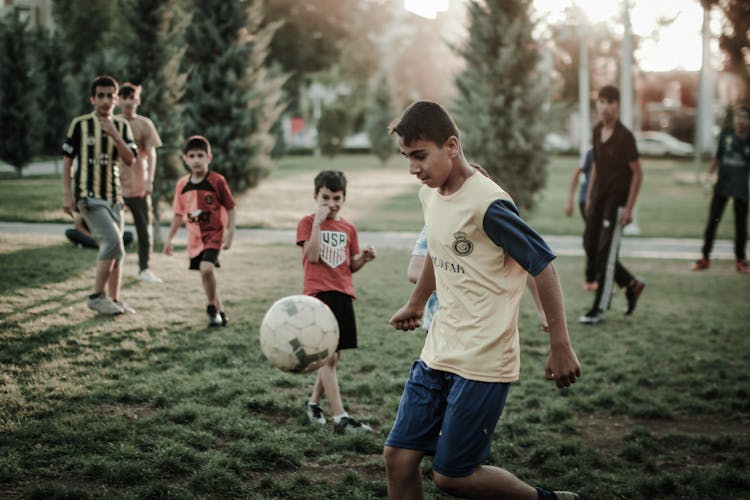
733,162
613,189
80,236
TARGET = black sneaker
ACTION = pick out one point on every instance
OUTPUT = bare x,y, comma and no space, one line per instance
632,292
348,424
315,413
592,317
214,319
224,320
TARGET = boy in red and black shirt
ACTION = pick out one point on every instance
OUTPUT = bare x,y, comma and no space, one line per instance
204,198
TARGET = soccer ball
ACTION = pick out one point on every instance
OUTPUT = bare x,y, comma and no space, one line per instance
299,333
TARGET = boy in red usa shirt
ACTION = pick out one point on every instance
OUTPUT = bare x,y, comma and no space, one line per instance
204,199
330,254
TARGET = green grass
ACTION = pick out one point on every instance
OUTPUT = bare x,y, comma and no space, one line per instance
670,204
157,405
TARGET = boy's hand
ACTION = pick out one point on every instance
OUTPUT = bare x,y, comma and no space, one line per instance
228,238
68,204
169,248
569,208
563,366
321,214
368,254
407,318
108,126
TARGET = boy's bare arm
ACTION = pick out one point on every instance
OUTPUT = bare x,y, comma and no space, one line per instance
365,256
176,223
562,365
311,247
572,191
68,203
416,263
229,233
592,179
409,317
126,154
635,187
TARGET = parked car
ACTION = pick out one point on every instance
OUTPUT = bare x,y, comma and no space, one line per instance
653,143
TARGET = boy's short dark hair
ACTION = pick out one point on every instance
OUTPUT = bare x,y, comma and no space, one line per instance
103,81
425,121
197,142
130,90
742,108
331,179
609,93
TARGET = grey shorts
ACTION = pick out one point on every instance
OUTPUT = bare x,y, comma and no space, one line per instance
106,224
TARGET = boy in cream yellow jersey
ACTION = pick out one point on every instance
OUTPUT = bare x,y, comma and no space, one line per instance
480,252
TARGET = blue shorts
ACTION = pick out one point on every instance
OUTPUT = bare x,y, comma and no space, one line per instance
444,414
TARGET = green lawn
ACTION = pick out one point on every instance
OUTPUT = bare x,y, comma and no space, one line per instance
157,406
670,205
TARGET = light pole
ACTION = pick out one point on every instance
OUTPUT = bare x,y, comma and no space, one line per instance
704,115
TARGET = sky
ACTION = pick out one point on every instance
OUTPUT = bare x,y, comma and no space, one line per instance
674,46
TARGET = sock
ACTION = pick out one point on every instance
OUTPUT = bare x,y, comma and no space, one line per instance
337,418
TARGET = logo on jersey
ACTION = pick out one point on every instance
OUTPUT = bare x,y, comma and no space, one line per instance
208,199
462,246
333,247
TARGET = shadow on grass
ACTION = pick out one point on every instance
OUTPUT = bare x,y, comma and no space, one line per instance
33,267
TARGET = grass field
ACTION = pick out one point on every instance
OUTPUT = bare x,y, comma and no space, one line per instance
382,197
157,406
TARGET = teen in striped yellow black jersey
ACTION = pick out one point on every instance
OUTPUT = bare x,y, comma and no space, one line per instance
102,144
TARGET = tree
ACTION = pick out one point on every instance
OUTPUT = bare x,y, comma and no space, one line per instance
89,30
310,38
735,39
230,97
49,61
378,119
17,116
501,95
156,27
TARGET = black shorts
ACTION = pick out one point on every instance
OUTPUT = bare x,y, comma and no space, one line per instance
209,255
342,306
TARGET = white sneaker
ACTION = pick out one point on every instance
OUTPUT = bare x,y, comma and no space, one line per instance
149,277
103,305
125,308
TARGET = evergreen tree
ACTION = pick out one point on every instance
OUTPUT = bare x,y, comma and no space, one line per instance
17,104
156,27
230,97
52,92
90,31
378,119
501,95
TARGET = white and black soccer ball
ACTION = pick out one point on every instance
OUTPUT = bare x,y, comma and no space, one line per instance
299,333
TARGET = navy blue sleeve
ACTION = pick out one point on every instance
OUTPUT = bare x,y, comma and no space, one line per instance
507,230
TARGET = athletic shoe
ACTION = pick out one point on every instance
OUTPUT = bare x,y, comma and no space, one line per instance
741,266
592,317
103,305
632,292
315,413
349,425
214,318
591,286
149,277
224,319
125,308
700,264
566,495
